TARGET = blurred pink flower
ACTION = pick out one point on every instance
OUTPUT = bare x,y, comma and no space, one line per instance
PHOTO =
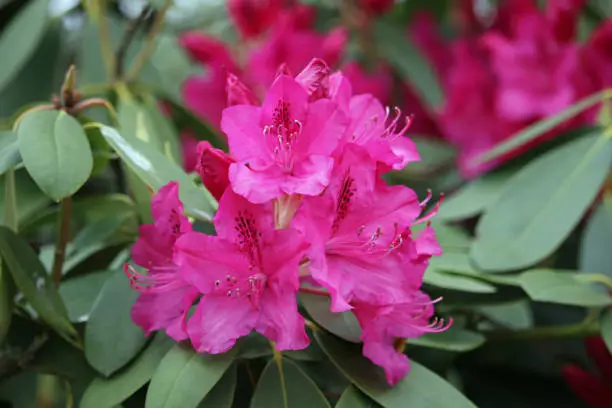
253,17
594,389
378,82
189,146
248,275
164,298
376,6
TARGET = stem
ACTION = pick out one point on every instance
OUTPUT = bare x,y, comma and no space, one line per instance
106,46
278,358
62,240
144,54
313,291
93,102
128,37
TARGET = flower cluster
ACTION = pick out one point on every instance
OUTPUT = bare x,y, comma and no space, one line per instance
302,206
509,68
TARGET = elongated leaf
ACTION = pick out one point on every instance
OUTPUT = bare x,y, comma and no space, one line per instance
156,170
287,387
473,198
80,294
34,282
20,38
450,238
532,132
222,394
606,328
454,338
595,253
421,388
28,196
344,325
185,377
166,132
514,315
542,204
436,277
9,151
105,393
55,152
111,337
353,398
7,292
564,287
410,64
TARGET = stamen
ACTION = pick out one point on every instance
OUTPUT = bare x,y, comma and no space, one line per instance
432,213
157,282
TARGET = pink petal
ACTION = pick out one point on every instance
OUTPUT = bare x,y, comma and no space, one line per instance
232,204
289,92
245,137
309,176
315,79
257,186
323,129
280,320
238,93
219,321
213,168
396,365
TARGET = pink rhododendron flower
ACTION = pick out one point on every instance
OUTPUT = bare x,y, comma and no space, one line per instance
376,6
382,325
595,390
378,83
253,17
189,146
248,275
165,298
213,166
283,147
362,248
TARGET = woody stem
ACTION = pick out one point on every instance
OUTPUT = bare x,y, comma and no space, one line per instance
62,240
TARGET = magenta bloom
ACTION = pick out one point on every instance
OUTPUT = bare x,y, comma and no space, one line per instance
189,150
283,147
362,248
165,298
382,325
253,17
213,166
378,83
248,275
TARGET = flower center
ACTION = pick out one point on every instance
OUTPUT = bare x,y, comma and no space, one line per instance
251,287
283,134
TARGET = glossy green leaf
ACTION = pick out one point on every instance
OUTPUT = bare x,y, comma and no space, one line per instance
9,151
7,292
11,214
288,387
606,328
454,338
343,325
100,150
80,294
537,129
353,398
111,337
184,377
542,204
30,200
20,38
564,287
514,315
395,47
595,254
55,151
156,170
474,198
106,393
166,132
34,282
222,394
421,388
436,277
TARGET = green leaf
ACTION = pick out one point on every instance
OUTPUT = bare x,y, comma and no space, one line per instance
156,170
353,398
395,47
542,204
30,200
100,150
20,38
184,377
111,337
564,287
11,214
289,384
7,293
55,152
344,325
105,393
166,132
537,129
9,151
34,282
436,277
421,388
222,394
474,198
187,119
595,255
80,294
450,238
514,315
606,328
454,338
